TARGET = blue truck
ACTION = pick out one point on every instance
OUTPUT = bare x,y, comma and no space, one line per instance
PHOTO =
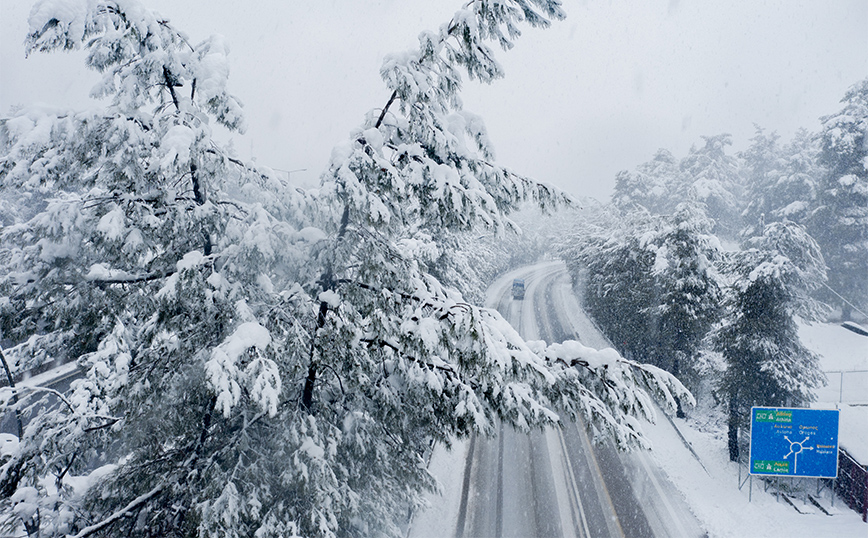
518,288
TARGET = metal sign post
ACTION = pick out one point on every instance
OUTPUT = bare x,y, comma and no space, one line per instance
794,442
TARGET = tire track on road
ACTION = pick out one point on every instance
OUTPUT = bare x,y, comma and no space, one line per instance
553,483
662,510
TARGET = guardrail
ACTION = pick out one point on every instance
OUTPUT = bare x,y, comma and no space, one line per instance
845,386
852,483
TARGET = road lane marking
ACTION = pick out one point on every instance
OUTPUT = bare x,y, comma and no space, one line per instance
465,489
595,466
499,504
673,515
570,489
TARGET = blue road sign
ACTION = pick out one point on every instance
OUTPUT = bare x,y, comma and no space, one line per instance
794,442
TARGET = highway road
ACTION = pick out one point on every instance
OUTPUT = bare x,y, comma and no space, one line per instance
555,483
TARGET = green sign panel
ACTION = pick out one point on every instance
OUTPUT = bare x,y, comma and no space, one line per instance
774,415
770,467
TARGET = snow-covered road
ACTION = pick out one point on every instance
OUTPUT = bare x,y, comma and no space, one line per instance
553,483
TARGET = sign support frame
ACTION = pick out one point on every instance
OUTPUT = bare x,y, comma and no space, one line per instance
818,425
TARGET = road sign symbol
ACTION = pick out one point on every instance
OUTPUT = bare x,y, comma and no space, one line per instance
795,448
794,442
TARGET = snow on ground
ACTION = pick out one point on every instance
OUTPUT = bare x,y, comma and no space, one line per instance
448,466
853,430
839,348
844,358
726,511
714,496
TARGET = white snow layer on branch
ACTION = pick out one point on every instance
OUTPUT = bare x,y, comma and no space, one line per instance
225,377
124,512
622,380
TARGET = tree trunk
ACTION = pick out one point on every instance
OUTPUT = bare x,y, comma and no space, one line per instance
307,395
14,393
846,311
732,434
328,284
676,369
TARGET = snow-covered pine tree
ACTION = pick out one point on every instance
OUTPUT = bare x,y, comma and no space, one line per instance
798,184
710,176
687,291
258,360
840,221
152,258
650,186
781,181
651,284
765,363
761,165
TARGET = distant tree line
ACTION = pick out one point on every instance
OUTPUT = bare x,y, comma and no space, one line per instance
702,265
817,180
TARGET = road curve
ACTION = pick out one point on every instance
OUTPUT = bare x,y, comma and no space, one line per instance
555,483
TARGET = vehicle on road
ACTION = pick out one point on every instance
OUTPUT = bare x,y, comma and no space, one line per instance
518,288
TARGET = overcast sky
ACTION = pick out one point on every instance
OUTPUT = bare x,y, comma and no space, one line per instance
594,94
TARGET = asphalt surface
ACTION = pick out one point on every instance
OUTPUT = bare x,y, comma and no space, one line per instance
557,483
58,379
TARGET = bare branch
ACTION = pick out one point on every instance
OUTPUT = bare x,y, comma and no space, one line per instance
386,109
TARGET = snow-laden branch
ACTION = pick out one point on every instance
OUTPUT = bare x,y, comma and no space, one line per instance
123,512
216,354
60,396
